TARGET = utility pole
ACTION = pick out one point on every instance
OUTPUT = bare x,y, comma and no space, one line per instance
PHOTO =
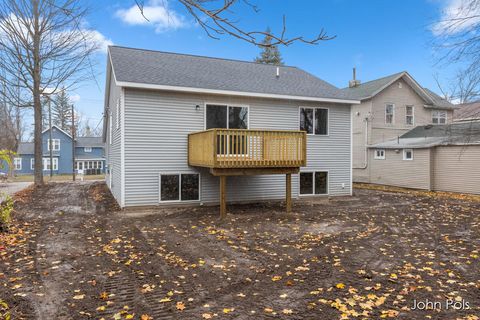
50,142
73,143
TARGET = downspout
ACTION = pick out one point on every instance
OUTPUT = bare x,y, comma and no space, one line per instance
365,165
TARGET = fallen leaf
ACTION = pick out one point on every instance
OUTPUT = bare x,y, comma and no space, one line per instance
180,306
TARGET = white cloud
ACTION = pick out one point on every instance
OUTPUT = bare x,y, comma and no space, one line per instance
100,41
159,16
450,24
74,98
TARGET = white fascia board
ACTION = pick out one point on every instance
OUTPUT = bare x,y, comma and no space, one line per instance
230,93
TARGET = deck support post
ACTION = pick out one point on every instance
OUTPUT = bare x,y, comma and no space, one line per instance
223,200
288,192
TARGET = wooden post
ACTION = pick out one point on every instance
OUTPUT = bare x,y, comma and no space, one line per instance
289,192
223,201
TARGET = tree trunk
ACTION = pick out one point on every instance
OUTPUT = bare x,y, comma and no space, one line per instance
37,104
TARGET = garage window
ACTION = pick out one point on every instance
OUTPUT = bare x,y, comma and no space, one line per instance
407,154
380,154
179,187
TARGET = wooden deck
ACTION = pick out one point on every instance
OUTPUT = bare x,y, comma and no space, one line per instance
233,152
237,148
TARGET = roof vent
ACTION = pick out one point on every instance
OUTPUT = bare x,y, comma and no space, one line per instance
354,82
429,126
278,72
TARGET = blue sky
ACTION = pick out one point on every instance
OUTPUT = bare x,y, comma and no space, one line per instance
379,37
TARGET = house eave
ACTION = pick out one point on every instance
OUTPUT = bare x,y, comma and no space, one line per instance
231,93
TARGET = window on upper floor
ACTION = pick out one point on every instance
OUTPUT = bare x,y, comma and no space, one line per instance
87,149
314,120
410,115
379,154
389,113
17,163
55,144
439,117
226,117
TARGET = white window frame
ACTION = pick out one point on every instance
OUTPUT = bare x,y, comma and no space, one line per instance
313,188
393,113
46,161
436,115
87,149
17,164
32,163
55,144
380,156
405,151
228,105
179,174
315,120
412,115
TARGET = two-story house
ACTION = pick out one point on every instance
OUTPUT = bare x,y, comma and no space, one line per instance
89,154
190,129
390,107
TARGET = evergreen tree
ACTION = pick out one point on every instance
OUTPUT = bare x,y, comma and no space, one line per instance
62,111
270,53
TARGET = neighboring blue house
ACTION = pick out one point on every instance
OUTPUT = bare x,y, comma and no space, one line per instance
89,154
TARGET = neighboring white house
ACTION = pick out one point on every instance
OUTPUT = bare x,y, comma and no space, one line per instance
177,125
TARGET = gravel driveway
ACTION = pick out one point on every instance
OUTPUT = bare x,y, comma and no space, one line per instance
11,188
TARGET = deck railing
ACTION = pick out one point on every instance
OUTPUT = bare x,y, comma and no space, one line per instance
237,148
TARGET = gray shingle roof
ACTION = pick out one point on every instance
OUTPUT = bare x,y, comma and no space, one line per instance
25,148
89,142
434,135
370,88
367,89
181,70
439,102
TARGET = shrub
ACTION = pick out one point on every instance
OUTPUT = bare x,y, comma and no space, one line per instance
6,208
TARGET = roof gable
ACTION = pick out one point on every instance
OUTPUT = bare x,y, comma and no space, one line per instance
180,72
59,129
370,89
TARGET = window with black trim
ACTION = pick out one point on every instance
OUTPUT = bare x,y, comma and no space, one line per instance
179,187
226,117
314,183
314,120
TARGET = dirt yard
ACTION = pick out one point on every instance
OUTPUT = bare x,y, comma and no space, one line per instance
72,255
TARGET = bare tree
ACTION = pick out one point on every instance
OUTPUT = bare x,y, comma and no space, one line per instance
457,34
463,88
216,19
43,45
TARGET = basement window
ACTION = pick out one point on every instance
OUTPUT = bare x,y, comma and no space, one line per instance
314,183
379,154
179,187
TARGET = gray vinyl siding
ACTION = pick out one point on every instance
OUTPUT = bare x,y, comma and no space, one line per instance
113,150
456,169
395,171
157,124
